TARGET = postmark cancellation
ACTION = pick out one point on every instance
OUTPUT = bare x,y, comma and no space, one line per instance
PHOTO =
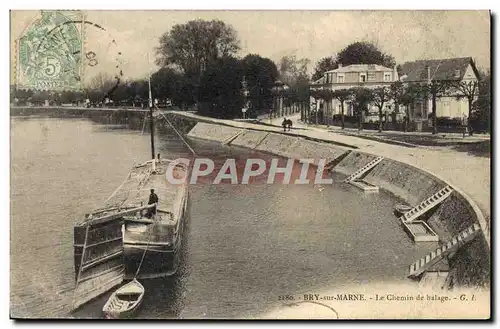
49,52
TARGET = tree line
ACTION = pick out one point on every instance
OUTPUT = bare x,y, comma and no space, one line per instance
199,68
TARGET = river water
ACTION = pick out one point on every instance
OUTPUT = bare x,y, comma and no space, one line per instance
244,245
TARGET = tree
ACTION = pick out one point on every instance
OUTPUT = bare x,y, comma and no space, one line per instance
101,82
481,115
22,95
364,53
66,97
165,83
293,71
468,90
323,65
317,94
397,89
40,96
137,91
196,44
404,94
342,95
102,86
380,97
122,93
362,97
260,75
327,96
221,89
435,89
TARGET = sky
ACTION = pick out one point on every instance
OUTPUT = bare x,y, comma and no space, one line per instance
407,35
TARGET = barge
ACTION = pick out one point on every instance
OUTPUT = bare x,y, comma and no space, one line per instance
137,232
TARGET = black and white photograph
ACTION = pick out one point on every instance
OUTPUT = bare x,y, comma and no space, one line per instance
250,164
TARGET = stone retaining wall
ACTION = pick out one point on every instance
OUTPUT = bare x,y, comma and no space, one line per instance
249,138
469,266
402,180
278,144
212,132
299,148
353,162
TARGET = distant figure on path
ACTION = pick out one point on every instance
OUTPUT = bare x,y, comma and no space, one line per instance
289,124
284,124
153,198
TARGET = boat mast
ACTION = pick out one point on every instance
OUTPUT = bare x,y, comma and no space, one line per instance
151,123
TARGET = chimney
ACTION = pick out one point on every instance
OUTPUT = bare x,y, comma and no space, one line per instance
340,65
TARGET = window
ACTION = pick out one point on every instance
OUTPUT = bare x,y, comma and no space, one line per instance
362,77
340,78
387,77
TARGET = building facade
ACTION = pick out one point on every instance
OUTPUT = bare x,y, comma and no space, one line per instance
440,70
352,76
451,70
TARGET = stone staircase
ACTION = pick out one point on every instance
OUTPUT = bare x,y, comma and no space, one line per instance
435,256
426,205
358,173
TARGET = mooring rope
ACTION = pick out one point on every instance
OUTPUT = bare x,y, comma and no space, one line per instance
190,148
145,250
144,123
119,187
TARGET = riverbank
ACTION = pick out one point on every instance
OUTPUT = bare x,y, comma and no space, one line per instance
408,180
245,245
411,173
464,171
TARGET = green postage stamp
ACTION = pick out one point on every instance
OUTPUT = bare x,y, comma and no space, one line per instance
49,52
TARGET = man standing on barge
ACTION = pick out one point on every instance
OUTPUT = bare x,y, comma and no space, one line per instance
153,199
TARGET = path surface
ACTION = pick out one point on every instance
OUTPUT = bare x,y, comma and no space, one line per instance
467,172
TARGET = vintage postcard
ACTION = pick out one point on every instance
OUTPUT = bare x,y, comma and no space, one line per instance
250,164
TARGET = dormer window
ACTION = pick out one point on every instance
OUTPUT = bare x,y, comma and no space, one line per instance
457,74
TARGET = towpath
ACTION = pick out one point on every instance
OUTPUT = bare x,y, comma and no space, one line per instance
466,171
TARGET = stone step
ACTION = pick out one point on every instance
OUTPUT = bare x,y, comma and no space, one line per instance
434,256
364,169
426,205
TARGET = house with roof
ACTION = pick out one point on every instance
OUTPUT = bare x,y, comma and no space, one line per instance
440,70
352,76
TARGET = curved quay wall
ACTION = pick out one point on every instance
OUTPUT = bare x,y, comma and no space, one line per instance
469,266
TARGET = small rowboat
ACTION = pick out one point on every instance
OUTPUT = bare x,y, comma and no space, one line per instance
401,209
125,301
